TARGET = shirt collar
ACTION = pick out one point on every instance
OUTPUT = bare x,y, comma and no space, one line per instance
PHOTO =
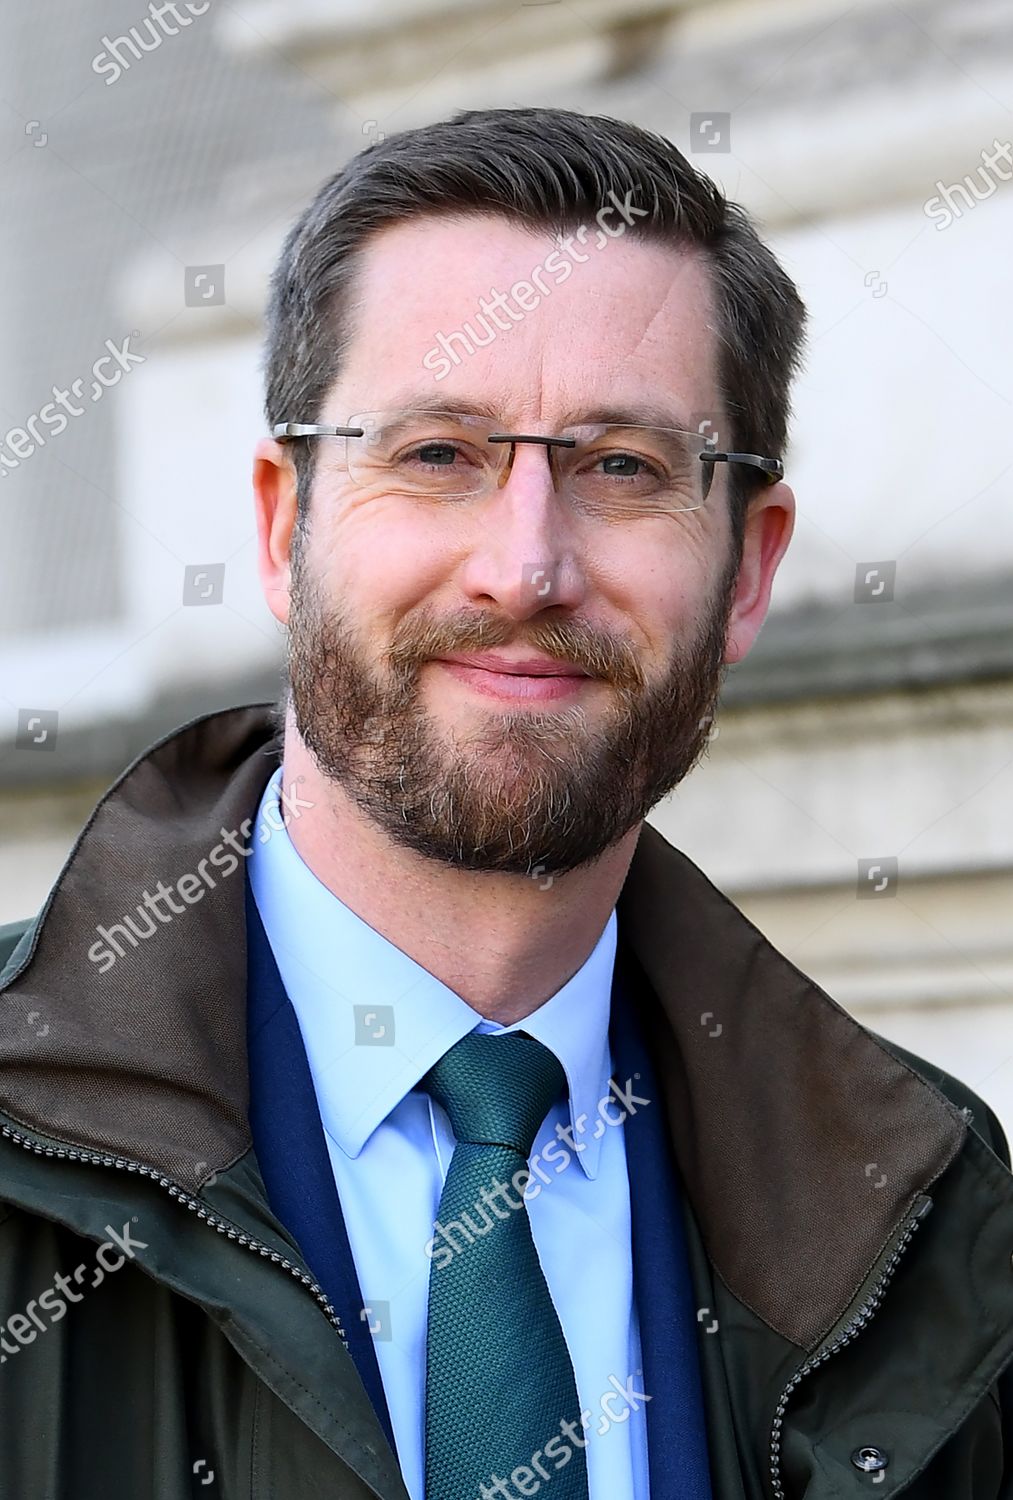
374,1021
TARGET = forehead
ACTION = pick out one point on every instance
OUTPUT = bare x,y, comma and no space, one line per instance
633,323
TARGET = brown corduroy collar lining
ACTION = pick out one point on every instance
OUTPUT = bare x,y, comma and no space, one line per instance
783,1122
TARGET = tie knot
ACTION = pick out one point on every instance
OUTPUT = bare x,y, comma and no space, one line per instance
497,1089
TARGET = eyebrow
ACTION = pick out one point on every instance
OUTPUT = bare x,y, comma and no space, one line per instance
650,414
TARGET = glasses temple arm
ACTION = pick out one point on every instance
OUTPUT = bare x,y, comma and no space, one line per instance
772,468
281,431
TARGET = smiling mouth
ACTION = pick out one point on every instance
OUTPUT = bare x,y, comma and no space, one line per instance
505,680
521,667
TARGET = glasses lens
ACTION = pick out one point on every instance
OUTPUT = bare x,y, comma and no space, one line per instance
637,469
422,453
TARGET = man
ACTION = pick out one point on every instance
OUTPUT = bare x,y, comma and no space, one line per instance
442,1130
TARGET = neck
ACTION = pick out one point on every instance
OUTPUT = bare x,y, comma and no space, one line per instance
504,943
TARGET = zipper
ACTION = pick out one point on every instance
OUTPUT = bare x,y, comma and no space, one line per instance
849,1332
195,1205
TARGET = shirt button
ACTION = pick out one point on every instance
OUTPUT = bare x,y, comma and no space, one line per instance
869,1460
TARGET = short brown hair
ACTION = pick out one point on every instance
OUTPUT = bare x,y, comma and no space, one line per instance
545,169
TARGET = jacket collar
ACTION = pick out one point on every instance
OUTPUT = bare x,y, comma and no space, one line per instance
801,1140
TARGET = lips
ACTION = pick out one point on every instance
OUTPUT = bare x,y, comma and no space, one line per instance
527,666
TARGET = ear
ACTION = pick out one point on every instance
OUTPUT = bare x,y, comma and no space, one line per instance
274,491
770,521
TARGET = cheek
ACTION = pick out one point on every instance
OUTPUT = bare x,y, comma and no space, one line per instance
660,574
387,550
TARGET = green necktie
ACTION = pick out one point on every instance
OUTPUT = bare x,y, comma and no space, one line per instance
500,1391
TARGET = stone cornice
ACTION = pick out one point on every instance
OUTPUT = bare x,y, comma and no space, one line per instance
944,634
812,85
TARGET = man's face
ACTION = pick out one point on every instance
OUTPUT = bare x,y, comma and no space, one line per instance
483,770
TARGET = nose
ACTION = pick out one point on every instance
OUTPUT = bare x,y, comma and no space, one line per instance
526,553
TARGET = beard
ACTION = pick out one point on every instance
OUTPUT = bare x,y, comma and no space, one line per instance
519,792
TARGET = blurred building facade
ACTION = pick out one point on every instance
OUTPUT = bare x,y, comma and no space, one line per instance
857,799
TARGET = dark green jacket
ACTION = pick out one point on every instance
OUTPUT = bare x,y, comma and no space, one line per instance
849,1206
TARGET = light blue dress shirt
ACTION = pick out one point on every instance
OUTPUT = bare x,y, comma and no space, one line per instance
373,1021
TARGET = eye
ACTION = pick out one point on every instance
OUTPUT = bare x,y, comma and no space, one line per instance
625,466
622,468
436,454
432,463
